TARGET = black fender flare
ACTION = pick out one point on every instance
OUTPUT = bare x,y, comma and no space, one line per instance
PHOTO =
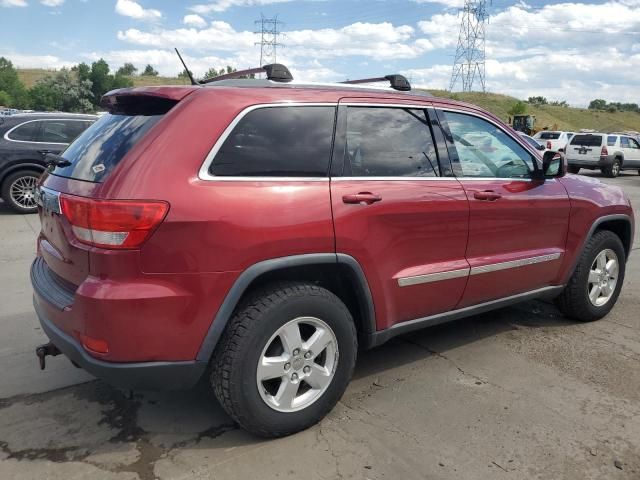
21,166
245,279
594,226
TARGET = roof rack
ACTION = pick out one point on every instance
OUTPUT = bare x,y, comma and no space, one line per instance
397,82
275,71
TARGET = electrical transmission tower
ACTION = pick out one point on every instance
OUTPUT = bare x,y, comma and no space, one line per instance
268,31
469,63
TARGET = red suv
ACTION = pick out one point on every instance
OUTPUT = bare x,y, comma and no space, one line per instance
259,232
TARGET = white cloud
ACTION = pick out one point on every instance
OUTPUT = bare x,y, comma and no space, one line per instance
194,20
129,8
49,62
374,40
222,5
13,3
446,3
51,3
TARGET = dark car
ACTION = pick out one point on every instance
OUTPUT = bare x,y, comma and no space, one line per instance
257,233
24,142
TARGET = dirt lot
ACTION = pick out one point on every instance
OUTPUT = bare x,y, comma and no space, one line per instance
518,393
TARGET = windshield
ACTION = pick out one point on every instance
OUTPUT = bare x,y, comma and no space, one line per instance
95,153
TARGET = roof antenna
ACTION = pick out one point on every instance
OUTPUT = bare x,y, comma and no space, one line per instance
193,81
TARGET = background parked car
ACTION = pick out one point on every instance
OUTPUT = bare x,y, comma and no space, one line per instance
25,140
611,153
555,141
532,141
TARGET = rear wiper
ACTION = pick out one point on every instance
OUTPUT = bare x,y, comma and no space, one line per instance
53,160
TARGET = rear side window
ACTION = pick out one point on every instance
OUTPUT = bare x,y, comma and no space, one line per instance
549,135
278,142
389,142
99,149
611,140
27,132
587,140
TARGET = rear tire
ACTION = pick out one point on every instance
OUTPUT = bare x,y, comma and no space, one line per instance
574,169
583,298
18,191
266,376
613,170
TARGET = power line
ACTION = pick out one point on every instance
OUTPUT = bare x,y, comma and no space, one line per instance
269,31
469,62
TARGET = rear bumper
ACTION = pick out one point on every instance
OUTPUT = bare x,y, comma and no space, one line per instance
141,375
592,164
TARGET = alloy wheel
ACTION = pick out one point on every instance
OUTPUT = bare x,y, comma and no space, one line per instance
23,191
603,277
297,364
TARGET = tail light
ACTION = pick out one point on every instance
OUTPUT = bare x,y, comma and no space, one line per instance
549,144
116,224
604,152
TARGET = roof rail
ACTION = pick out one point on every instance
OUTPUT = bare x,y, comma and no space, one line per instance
275,71
397,82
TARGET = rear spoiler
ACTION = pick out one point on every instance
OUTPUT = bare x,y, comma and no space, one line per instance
143,100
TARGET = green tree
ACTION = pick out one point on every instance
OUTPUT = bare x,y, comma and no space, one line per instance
127,70
537,100
212,72
185,74
12,86
518,108
598,104
82,70
63,91
101,80
5,99
149,71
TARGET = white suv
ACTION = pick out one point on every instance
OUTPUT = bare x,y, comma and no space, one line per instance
611,153
555,141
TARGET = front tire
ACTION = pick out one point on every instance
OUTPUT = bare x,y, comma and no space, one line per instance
595,285
285,358
18,191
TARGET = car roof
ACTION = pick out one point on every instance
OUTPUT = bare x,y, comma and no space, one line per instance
44,115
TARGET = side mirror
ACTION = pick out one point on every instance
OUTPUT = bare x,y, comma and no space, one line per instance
554,164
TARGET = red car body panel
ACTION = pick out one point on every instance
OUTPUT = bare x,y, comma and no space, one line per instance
157,303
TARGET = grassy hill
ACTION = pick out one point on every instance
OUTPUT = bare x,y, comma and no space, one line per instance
546,115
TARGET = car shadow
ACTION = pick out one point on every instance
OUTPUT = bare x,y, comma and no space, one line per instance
163,421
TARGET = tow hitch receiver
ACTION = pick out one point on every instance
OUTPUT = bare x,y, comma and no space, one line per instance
47,349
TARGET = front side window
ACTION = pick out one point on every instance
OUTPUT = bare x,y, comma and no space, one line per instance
484,150
389,142
27,132
624,142
62,131
633,144
278,142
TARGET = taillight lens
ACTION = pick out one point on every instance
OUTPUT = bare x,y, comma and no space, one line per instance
549,144
116,224
604,152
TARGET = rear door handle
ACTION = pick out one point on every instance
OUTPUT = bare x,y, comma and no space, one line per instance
362,198
489,195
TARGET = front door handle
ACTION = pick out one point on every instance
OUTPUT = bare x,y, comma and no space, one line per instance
489,195
362,198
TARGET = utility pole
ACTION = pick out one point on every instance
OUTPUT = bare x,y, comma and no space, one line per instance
268,29
469,63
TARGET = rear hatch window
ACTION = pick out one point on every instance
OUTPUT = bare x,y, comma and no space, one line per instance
587,140
99,149
549,135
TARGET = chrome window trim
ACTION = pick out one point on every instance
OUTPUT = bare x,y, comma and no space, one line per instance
432,277
47,198
6,135
463,272
523,262
203,173
438,179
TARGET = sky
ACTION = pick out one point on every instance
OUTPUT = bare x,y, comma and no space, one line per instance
563,51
